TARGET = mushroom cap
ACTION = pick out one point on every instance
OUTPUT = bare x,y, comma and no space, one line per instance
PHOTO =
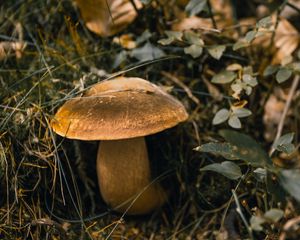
118,109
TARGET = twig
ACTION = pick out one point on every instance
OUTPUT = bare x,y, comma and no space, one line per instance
182,85
240,212
134,6
293,7
285,110
211,15
288,227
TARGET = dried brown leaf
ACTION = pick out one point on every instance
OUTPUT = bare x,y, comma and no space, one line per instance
287,39
108,17
125,41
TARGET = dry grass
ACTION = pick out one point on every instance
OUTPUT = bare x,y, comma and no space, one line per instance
48,184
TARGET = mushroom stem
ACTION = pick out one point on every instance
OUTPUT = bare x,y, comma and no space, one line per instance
124,176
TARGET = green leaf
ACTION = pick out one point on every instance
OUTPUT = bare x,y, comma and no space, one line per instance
224,149
237,87
284,139
248,90
256,223
239,146
194,50
274,214
242,112
146,1
283,74
144,37
221,116
250,36
120,58
216,51
234,122
193,38
246,148
227,169
174,34
248,79
239,45
166,41
290,179
195,6
296,67
260,174
286,60
147,52
224,77
265,22
286,148
271,69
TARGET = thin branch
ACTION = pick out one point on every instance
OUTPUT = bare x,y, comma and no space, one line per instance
286,108
211,15
182,85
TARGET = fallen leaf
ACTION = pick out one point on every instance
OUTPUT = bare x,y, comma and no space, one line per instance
287,39
107,17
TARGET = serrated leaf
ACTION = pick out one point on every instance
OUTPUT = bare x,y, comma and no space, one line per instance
274,214
224,149
284,139
239,45
221,116
224,77
227,169
264,22
195,6
194,50
289,179
242,112
234,122
246,148
147,52
271,69
216,51
283,74
256,223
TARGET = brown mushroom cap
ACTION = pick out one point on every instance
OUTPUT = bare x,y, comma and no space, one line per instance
117,109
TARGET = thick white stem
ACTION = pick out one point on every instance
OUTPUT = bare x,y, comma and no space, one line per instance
124,176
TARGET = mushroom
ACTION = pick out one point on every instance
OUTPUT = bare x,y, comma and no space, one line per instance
120,112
